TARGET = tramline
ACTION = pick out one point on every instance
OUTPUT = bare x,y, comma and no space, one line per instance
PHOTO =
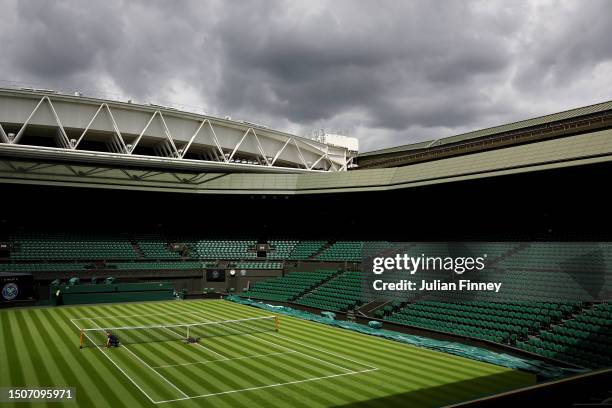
192,332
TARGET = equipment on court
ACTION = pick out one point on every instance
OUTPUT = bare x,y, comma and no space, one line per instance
171,332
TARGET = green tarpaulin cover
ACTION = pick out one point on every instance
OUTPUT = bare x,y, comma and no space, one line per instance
538,367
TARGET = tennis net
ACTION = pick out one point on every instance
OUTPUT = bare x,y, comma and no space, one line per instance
98,336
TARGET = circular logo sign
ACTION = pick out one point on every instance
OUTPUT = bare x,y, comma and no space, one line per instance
10,291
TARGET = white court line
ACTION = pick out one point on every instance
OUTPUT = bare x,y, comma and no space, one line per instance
134,315
201,345
322,351
280,345
116,365
351,372
265,386
318,349
161,326
268,333
152,369
226,359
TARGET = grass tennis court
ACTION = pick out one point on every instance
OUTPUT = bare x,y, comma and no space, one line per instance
304,364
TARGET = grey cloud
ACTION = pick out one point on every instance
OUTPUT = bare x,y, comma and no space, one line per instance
567,51
341,60
56,39
393,72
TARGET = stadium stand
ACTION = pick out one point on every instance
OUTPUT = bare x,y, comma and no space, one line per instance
499,322
224,249
159,265
306,249
281,249
257,265
154,246
349,251
556,327
79,267
288,287
41,267
585,339
60,246
338,294
560,256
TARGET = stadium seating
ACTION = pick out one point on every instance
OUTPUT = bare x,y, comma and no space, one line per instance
585,340
499,322
563,256
169,266
281,249
349,251
42,267
76,267
305,249
289,287
224,249
58,246
154,246
257,265
338,294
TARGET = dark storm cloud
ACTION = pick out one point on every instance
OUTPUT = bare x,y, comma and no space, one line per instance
391,72
65,41
348,56
563,52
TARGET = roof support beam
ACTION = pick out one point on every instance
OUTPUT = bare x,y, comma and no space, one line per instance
3,137
64,138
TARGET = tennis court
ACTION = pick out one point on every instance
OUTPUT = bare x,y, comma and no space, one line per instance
156,358
304,364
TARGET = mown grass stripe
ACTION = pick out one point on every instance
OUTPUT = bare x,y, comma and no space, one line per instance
166,352
402,368
103,379
166,355
33,347
144,377
57,354
329,386
314,363
435,359
5,352
473,385
160,353
12,332
305,365
206,343
318,395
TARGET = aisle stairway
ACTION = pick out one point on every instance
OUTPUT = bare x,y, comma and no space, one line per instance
288,287
322,249
338,294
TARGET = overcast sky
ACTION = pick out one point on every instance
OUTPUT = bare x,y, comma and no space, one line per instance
390,72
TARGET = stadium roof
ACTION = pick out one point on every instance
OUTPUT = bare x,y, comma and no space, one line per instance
509,127
50,125
576,150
